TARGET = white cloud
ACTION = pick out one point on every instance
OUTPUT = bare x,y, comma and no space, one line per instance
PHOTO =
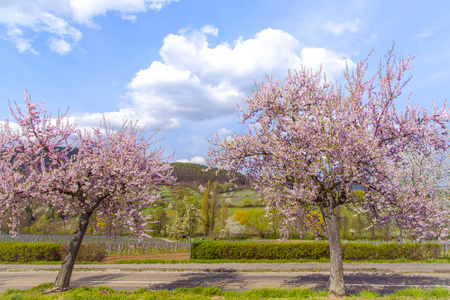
59,46
209,29
12,125
84,10
330,61
339,28
22,44
423,35
195,81
184,160
221,133
194,160
132,18
25,19
198,160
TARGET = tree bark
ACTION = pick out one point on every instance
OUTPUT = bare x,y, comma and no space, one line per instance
337,284
190,244
65,272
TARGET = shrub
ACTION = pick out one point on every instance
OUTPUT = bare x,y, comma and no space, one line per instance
26,252
252,250
87,252
365,251
311,250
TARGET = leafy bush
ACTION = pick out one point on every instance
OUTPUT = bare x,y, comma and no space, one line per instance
311,250
26,252
252,250
364,251
87,252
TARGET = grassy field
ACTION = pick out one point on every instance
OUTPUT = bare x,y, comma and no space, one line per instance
195,194
237,197
212,293
166,195
101,292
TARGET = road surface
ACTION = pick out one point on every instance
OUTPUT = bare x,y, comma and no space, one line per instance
384,278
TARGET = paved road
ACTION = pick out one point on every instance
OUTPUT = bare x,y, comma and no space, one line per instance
383,278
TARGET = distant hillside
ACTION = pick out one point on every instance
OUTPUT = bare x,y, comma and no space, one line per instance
188,173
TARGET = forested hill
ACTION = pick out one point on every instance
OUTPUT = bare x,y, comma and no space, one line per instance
188,173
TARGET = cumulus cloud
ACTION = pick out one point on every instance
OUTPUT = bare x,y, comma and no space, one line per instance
22,44
12,125
195,81
184,160
25,19
331,62
209,29
194,160
59,46
221,133
339,28
84,10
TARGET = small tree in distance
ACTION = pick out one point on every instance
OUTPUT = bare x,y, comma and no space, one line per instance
110,176
210,207
186,221
310,143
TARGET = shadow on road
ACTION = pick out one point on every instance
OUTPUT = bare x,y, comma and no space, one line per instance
94,280
226,281
383,283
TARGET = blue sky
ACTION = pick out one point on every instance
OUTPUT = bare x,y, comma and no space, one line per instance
182,66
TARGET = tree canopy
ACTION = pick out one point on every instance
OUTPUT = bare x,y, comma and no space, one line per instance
111,177
310,142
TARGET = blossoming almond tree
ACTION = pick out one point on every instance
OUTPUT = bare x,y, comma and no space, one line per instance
102,175
432,168
310,142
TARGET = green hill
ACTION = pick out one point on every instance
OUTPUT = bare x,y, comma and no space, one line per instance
188,174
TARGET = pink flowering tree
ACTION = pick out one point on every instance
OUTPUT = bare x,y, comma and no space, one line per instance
93,175
310,143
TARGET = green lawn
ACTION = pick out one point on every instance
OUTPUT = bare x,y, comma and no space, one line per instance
166,195
211,293
195,193
236,197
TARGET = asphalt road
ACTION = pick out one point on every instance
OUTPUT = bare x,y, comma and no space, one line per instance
383,278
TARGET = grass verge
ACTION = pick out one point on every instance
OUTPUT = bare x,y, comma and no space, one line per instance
322,260
443,260
216,293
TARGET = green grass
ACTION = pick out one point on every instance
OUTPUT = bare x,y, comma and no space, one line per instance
195,193
214,261
436,293
238,196
102,292
321,260
166,195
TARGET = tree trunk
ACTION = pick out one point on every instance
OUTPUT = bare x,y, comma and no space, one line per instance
65,272
337,285
190,244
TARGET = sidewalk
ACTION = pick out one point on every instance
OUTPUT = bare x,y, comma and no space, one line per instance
245,267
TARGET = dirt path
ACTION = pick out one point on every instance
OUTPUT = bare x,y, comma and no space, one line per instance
174,256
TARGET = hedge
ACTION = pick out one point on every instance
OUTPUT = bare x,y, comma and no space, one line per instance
411,251
27,252
87,252
311,250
